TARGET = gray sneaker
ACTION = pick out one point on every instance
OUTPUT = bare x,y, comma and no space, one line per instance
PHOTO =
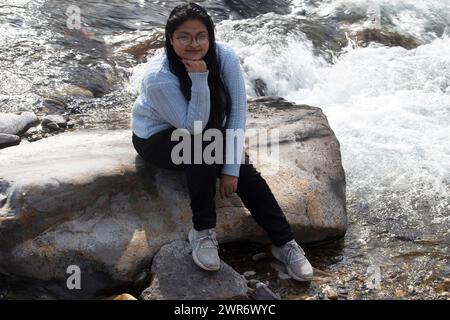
204,249
293,257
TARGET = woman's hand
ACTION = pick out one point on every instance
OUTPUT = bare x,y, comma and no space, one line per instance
228,185
195,65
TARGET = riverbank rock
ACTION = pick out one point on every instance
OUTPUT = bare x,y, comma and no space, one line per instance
8,140
16,124
388,38
142,46
177,277
54,122
87,199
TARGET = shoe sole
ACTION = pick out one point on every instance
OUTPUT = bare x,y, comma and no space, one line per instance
197,262
290,272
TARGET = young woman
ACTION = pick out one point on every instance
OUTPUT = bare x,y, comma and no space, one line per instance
197,81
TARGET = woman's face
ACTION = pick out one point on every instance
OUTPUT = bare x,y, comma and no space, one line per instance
190,40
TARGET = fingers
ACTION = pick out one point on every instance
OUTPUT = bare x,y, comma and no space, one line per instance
194,65
186,63
231,189
227,186
227,190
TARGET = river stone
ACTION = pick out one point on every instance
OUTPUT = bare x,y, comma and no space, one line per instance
144,45
59,120
262,292
8,140
87,199
177,277
388,38
17,124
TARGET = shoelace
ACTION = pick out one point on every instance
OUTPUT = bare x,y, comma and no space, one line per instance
294,253
210,237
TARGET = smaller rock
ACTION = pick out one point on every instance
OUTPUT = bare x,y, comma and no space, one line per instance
249,274
330,292
2,199
53,106
31,131
176,277
52,126
262,292
54,118
385,37
144,46
400,293
17,124
446,284
8,140
76,91
123,296
252,283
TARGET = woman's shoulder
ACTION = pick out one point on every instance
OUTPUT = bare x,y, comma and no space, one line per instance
227,56
157,69
224,50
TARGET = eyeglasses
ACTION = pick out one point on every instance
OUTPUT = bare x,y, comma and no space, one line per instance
186,39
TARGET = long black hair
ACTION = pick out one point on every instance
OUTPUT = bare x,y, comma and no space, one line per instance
219,96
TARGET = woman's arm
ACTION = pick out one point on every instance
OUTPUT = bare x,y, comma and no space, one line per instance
171,105
234,80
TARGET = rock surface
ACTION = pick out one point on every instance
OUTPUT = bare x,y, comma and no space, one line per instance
176,277
87,199
17,124
8,140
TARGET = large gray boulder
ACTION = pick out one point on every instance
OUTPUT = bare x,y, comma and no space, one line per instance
177,277
87,199
17,124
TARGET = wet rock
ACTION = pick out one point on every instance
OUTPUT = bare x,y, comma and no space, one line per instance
8,140
52,126
86,198
330,292
54,122
327,36
143,46
270,101
252,9
447,284
75,91
17,124
53,106
31,131
262,292
177,277
2,199
388,38
260,87
249,274
400,293
252,283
